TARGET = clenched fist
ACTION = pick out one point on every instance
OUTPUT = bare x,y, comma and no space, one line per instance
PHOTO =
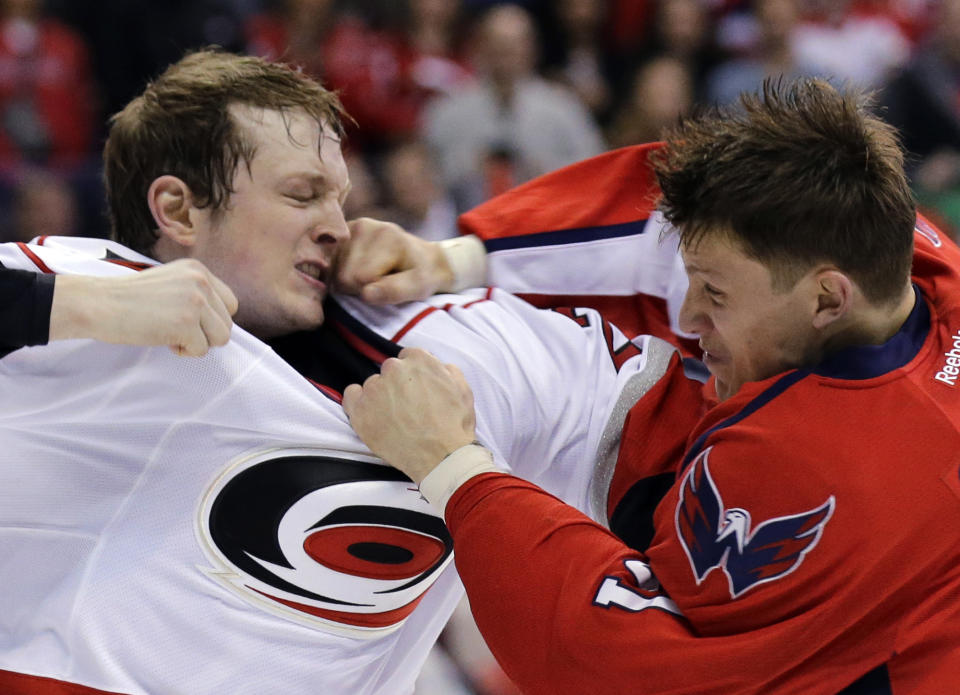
414,413
179,304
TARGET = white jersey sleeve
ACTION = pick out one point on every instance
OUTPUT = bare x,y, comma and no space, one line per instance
547,383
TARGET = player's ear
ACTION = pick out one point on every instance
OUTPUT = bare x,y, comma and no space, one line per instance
835,292
171,204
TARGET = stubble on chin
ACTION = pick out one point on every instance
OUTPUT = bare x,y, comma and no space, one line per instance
724,391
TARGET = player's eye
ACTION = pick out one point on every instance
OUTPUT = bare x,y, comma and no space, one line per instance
300,197
713,293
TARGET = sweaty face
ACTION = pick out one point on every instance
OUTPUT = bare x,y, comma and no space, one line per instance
748,331
275,241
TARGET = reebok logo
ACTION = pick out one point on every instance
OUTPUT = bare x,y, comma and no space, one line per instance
948,375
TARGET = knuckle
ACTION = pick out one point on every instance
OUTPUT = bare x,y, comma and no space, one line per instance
196,301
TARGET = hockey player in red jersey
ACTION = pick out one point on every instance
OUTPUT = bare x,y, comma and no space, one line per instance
808,541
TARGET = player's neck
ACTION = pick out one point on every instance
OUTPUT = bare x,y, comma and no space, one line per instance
874,324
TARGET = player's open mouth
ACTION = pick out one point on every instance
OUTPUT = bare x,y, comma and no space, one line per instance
710,358
314,272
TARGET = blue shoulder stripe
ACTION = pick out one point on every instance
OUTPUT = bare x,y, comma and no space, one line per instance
778,387
567,236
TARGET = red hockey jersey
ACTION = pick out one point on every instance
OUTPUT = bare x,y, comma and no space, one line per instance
809,542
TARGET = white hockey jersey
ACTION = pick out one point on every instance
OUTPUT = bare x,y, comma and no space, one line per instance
178,525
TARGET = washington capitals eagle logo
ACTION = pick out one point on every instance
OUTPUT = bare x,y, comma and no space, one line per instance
715,537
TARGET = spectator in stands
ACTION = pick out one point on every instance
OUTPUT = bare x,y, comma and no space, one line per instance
133,40
46,92
843,44
770,55
292,30
415,199
512,124
434,29
577,53
365,199
662,91
385,66
682,29
44,204
921,101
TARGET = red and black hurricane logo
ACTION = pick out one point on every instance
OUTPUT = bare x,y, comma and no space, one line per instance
327,540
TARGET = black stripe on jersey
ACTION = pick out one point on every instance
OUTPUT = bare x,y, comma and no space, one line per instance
632,520
326,356
337,315
877,682
117,259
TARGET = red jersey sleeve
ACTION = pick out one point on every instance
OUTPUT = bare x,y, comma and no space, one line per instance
588,235
568,608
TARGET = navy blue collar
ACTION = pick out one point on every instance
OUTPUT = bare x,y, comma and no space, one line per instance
868,361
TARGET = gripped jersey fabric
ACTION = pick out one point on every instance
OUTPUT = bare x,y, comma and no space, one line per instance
180,525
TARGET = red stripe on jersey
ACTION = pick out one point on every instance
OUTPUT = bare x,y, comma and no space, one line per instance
129,264
384,619
23,684
333,394
359,345
486,298
34,257
429,310
413,322
41,240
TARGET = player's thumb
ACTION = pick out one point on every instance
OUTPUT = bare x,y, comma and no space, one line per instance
350,396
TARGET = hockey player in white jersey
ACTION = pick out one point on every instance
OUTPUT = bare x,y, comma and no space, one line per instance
213,525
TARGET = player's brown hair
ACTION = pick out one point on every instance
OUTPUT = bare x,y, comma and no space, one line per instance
181,125
802,173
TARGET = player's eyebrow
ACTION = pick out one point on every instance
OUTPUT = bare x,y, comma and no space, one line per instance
312,177
692,267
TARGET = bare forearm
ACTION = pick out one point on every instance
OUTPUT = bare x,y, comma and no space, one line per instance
79,306
180,305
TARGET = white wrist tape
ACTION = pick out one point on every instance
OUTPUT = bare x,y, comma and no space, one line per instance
457,468
468,261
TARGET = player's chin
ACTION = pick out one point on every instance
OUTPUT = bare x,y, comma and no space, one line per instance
310,305
304,314
311,319
725,385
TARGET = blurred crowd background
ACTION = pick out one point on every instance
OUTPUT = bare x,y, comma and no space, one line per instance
457,100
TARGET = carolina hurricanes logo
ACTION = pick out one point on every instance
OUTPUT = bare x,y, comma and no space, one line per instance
342,544
718,538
